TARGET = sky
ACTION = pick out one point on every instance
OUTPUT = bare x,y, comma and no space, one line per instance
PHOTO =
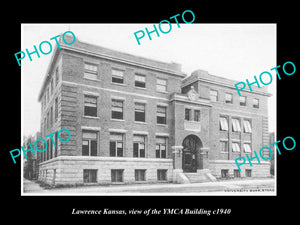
233,51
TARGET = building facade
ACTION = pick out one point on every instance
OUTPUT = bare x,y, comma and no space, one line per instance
137,120
31,164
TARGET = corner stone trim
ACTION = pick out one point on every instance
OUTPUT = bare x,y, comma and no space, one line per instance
177,149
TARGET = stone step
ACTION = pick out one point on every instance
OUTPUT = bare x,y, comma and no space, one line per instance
197,177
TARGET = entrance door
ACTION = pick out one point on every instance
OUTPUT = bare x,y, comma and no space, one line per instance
191,146
189,160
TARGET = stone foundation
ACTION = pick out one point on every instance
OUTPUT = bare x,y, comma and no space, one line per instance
68,170
257,170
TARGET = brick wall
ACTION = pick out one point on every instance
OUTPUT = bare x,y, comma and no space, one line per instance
203,83
77,86
72,87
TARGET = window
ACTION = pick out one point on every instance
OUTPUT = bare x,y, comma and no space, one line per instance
161,175
90,106
161,115
51,152
247,126
197,115
90,71
89,143
45,126
48,121
236,147
117,76
224,173
223,123
51,86
55,153
139,112
255,103
42,102
56,109
187,115
139,146
265,154
161,147
56,76
47,96
248,173
90,176
213,95
116,145
140,175
48,152
247,147
228,98
117,109
51,116
236,173
236,127
161,85
116,175
140,81
242,100
224,146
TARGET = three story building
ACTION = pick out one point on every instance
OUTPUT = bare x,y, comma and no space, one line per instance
134,119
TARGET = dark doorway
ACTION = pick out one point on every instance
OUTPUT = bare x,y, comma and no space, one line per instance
191,147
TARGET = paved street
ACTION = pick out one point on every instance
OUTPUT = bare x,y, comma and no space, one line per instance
228,187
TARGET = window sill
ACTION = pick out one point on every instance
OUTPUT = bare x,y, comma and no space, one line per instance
139,122
91,117
90,183
192,121
224,152
85,78
117,120
163,92
117,182
120,84
162,125
141,88
140,181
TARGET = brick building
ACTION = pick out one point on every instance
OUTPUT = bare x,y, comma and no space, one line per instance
30,166
134,119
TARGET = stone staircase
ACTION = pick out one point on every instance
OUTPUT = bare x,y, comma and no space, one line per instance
200,177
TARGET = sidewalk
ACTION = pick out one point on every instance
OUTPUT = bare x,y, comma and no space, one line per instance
31,186
165,188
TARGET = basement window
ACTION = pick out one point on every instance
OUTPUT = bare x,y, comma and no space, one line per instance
116,176
90,176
